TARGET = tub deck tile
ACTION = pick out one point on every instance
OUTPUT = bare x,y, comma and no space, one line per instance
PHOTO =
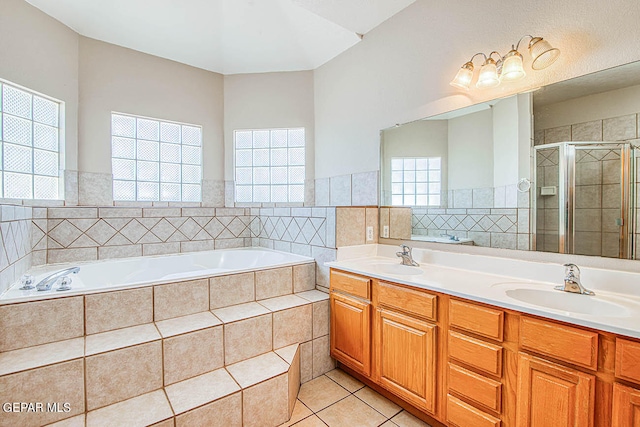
41,355
140,411
185,324
120,338
240,312
314,295
258,369
283,302
197,391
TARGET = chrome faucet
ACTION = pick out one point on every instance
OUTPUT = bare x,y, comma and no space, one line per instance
407,258
46,283
572,281
450,237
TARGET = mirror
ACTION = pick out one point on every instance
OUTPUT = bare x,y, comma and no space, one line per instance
492,175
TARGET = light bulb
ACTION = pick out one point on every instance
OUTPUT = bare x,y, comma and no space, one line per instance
512,68
463,79
488,75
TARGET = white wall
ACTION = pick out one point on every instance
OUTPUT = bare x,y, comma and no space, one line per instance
505,142
604,105
269,100
41,54
114,78
471,151
401,70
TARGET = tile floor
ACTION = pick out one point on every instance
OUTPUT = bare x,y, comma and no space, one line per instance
338,400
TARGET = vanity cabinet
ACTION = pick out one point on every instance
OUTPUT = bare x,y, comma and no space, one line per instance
463,363
351,321
405,344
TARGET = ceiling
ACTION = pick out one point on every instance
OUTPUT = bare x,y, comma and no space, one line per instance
228,36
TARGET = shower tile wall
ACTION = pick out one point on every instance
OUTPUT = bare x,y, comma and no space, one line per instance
493,217
15,243
547,173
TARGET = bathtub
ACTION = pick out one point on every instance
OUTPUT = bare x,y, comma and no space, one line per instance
126,273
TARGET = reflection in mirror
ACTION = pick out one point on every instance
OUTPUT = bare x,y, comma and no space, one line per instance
459,174
463,177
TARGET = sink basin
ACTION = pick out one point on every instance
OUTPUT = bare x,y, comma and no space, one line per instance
399,269
565,301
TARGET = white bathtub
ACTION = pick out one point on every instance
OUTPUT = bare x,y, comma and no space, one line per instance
101,276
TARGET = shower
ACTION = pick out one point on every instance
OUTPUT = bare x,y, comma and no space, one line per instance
585,202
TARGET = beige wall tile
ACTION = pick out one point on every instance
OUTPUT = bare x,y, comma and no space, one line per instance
122,374
231,290
266,404
192,354
559,134
128,413
306,361
77,421
247,338
71,255
180,299
589,131
197,391
350,226
120,309
293,379
304,277
320,318
274,282
619,128
56,320
294,325
322,361
400,223
62,382
226,412
166,423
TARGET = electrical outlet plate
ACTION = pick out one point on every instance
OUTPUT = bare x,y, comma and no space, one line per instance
370,233
385,231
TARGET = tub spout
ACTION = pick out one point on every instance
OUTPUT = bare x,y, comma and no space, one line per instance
46,283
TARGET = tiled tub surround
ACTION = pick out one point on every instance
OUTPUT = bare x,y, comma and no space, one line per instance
496,217
15,243
227,350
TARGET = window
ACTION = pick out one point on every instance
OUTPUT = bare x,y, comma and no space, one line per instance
30,148
155,160
416,181
269,165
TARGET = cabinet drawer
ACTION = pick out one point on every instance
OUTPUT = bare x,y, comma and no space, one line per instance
479,389
476,353
351,284
474,318
563,342
627,360
462,415
408,300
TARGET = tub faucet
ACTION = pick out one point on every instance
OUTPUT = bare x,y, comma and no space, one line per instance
450,237
46,283
407,258
572,281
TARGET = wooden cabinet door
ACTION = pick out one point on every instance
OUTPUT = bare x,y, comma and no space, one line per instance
551,395
351,332
626,406
406,358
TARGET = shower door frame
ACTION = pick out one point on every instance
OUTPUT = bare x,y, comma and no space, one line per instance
566,193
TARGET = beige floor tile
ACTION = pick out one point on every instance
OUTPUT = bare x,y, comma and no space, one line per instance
128,413
345,380
405,419
312,421
240,312
184,324
378,402
300,411
320,393
41,355
389,424
351,412
197,391
120,338
257,369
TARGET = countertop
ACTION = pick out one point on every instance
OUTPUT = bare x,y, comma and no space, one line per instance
609,310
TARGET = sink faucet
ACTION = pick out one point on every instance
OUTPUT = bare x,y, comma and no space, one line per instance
46,283
572,281
450,237
407,258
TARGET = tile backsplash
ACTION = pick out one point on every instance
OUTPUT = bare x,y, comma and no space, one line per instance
15,243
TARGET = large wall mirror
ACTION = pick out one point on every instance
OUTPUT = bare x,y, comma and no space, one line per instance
550,170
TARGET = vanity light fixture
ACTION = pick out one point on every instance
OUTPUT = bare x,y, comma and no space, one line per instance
508,67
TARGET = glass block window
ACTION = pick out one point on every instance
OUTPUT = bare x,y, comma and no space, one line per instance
416,181
269,165
30,144
155,160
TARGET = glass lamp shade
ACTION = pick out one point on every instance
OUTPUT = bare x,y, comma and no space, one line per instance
488,75
463,79
512,68
542,53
